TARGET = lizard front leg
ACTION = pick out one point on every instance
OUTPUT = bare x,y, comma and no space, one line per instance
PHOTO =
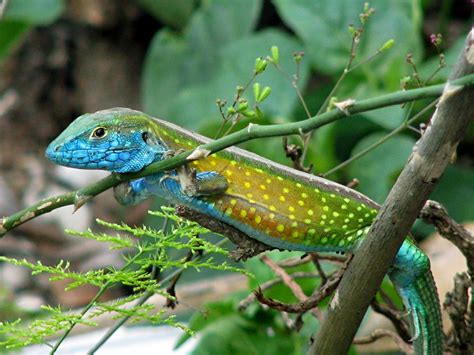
185,185
206,183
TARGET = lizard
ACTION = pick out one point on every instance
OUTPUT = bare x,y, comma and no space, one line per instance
274,204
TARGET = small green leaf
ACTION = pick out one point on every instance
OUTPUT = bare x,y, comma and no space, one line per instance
264,94
258,113
34,12
387,45
11,32
260,65
243,105
175,13
249,113
256,91
275,54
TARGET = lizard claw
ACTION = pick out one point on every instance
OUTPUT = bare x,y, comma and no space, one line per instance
171,153
168,176
187,178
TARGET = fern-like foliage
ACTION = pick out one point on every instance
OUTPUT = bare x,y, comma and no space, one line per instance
144,250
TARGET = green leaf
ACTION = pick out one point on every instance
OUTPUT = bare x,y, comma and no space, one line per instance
212,312
182,79
230,332
378,169
456,191
184,68
323,26
238,57
20,15
175,13
35,12
11,32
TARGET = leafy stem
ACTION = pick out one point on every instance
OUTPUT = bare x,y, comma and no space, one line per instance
145,297
92,302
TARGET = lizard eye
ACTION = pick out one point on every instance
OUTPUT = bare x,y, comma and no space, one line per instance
99,132
145,136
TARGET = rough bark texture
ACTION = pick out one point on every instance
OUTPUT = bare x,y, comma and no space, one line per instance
424,168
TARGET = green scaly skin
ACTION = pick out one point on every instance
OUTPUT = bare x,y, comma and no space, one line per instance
274,204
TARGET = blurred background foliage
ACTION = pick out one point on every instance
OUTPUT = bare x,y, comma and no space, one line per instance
179,56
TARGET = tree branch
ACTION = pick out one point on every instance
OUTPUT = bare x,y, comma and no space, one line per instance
80,196
458,304
290,283
309,303
247,301
425,166
434,213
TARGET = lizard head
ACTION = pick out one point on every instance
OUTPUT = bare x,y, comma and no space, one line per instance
119,139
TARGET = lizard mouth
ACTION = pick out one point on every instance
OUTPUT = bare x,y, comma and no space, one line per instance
89,158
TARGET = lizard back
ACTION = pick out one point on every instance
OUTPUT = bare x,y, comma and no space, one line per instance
285,207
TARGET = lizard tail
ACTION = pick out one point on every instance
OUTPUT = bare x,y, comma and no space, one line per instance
414,281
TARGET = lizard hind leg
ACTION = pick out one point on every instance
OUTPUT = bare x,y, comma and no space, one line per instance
210,183
205,183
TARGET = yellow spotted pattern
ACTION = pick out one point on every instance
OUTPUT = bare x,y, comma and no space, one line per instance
282,207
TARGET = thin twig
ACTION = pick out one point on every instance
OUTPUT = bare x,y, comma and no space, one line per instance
292,262
458,303
311,302
461,338
245,303
172,301
294,82
387,299
339,81
380,141
236,99
92,302
290,282
315,259
434,213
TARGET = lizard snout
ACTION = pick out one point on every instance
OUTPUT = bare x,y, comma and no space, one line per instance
52,150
